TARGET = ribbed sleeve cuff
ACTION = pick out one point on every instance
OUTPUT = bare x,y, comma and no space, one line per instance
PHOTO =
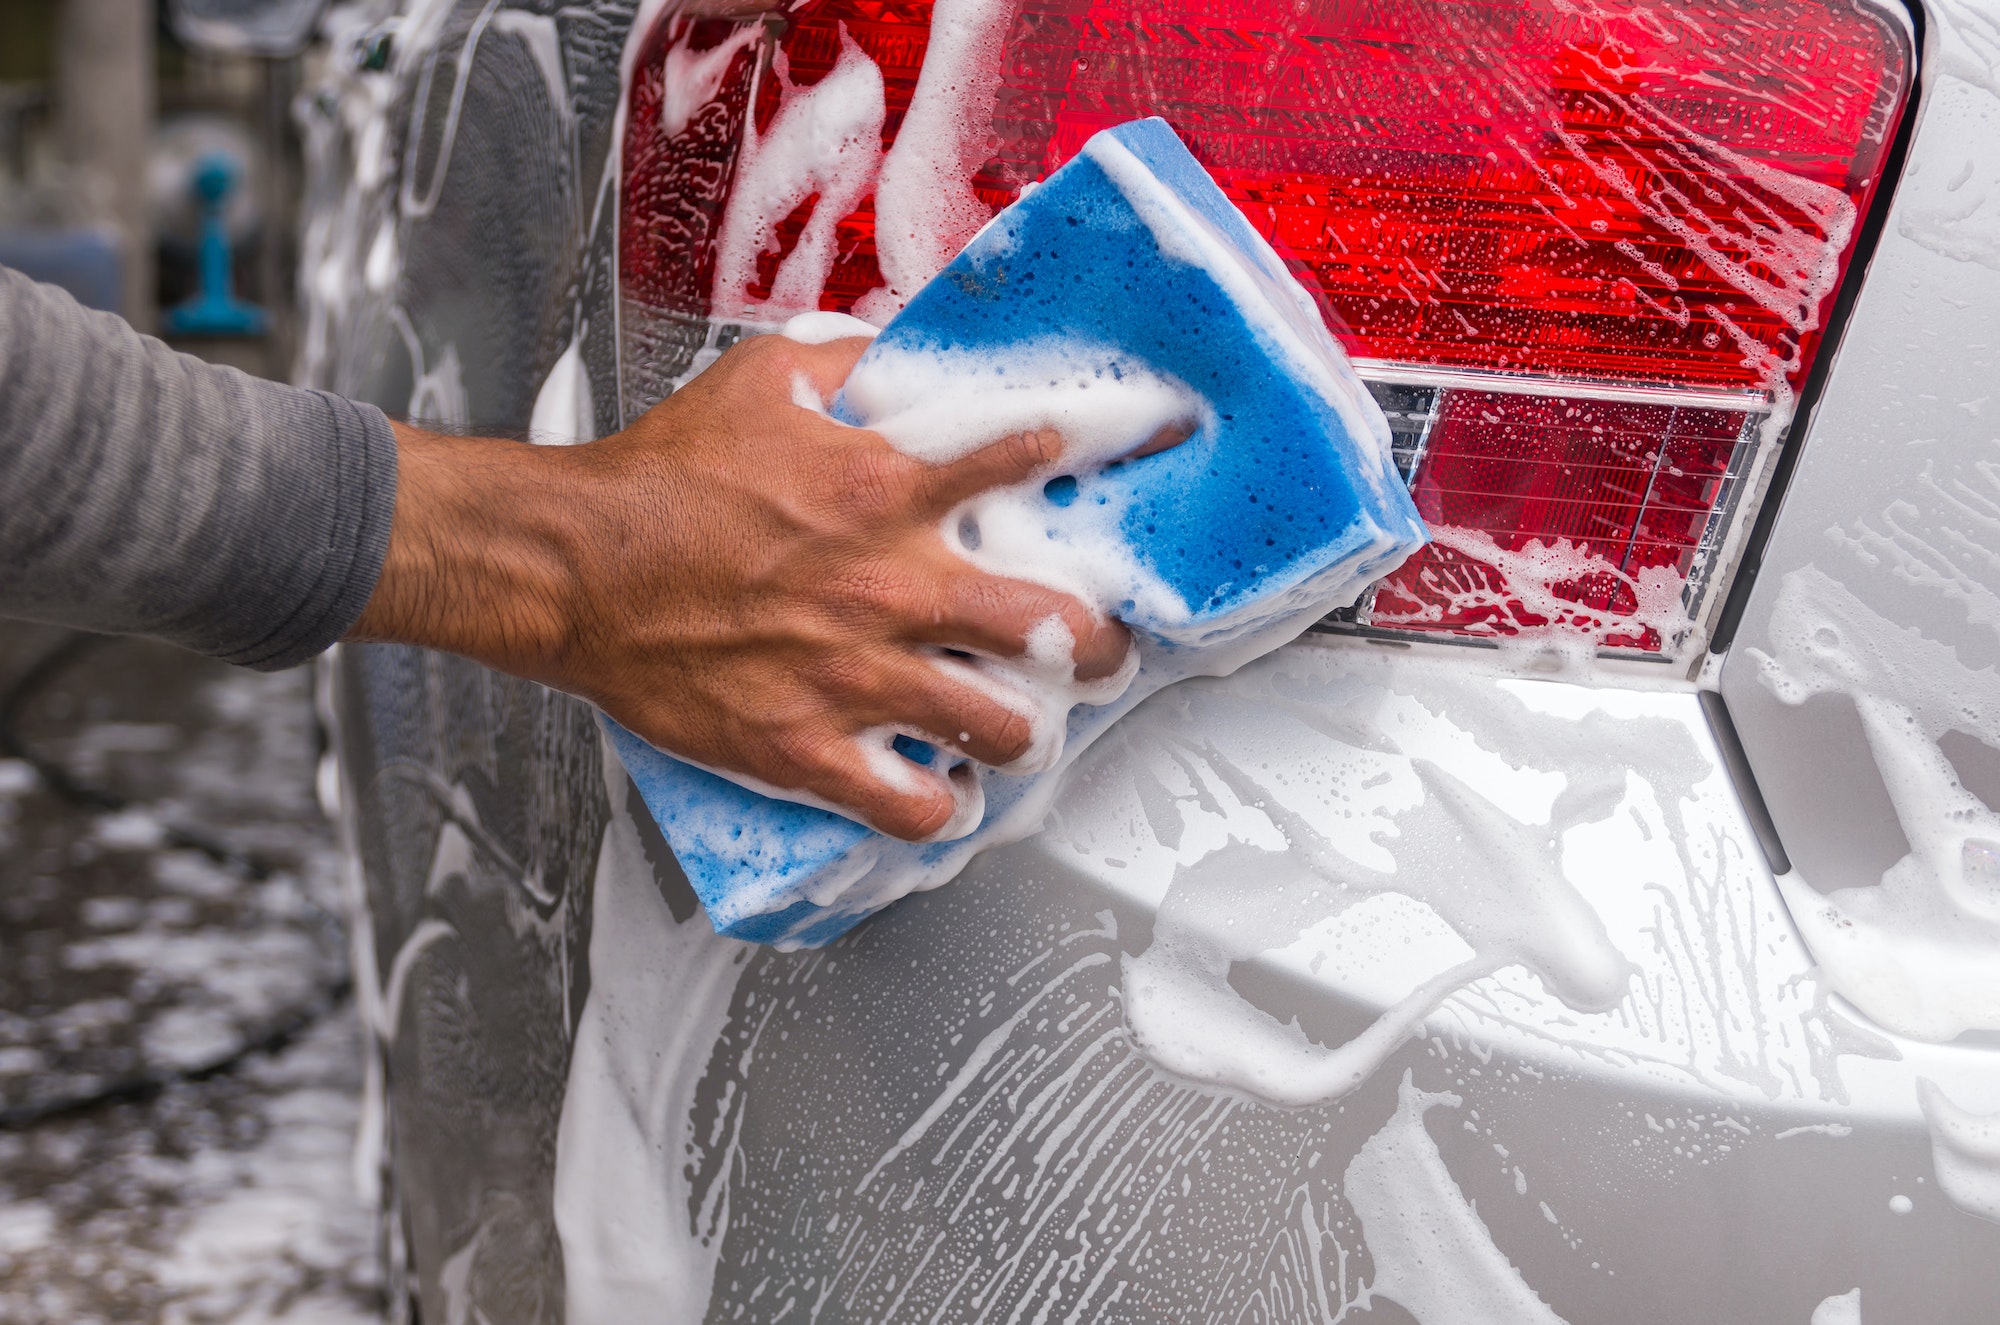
360,474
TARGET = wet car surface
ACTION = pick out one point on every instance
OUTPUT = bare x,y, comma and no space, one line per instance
1389,978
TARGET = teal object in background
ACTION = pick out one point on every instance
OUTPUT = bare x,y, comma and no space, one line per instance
215,310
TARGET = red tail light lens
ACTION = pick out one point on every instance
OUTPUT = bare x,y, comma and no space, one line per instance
1582,251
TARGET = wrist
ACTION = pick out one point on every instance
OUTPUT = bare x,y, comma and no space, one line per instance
483,557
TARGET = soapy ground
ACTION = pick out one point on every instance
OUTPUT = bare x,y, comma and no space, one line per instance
179,1070
225,1200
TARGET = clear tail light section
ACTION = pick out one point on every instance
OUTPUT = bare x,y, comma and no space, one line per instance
1582,250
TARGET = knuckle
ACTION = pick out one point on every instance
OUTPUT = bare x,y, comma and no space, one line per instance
877,482
894,592
856,591
804,749
848,675
767,351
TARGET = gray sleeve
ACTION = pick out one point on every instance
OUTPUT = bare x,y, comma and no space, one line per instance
145,492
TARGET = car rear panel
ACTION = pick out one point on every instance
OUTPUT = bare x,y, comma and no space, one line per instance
1379,981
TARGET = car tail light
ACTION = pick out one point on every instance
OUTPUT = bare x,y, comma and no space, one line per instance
1581,249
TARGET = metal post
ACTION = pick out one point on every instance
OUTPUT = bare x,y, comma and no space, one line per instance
104,101
275,257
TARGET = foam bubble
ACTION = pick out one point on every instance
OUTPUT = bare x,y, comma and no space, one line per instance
942,403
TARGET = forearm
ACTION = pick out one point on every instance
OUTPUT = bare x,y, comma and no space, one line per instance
145,492
482,553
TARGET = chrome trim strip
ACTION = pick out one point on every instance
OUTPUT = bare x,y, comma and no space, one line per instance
1474,379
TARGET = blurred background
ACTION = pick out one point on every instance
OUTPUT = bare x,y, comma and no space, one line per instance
179,1066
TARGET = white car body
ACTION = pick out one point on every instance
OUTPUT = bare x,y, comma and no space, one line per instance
1383,979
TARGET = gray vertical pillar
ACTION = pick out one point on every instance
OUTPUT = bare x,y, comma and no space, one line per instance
104,101
276,270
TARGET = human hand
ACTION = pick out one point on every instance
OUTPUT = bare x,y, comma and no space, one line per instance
745,584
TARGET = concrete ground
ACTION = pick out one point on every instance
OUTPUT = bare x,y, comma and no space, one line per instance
179,1066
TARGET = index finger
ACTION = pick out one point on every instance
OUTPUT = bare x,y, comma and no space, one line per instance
1027,455
1013,459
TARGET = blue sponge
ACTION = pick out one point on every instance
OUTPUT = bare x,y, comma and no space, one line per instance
1122,297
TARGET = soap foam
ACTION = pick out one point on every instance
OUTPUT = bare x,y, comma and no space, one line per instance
563,413
1433,1255
1494,878
1730,224
941,405
925,209
636,1233
690,79
820,328
1840,1309
1185,1016
1466,855
1041,686
1965,1151
1916,952
825,140
1530,578
878,749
